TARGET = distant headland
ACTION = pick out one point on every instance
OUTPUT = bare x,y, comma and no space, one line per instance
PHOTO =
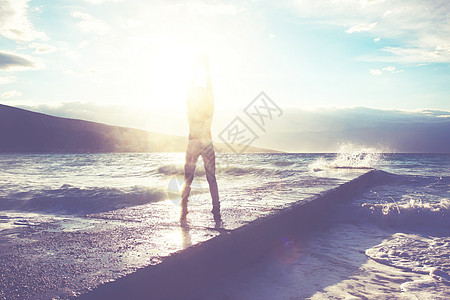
25,131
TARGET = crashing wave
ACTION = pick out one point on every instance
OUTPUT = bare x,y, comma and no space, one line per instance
349,157
412,213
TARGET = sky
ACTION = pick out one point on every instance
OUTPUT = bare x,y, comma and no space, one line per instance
75,57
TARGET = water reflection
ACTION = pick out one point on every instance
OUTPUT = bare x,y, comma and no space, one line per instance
186,238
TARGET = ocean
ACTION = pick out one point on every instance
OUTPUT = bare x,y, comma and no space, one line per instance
390,242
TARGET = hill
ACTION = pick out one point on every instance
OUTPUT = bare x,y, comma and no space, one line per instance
30,132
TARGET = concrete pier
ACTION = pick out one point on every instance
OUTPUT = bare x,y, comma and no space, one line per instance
210,250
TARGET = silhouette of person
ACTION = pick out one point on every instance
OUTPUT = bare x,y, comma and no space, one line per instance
200,108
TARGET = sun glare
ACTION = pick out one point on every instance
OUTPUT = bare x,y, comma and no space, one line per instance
169,73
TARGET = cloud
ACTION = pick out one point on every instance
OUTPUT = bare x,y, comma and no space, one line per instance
14,22
435,113
323,130
88,72
13,62
83,44
100,1
390,69
89,23
361,28
7,79
42,48
375,72
198,8
439,54
213,9
10,94
419,29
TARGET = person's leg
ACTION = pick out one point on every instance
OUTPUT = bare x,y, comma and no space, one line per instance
209,161
192,153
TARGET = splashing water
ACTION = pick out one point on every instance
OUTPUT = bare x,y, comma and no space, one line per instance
349,157
413,212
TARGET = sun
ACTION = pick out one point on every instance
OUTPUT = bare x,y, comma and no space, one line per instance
169,74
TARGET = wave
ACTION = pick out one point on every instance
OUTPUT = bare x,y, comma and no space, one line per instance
426,255
72,200
178,169
407,201
349,157
414,253
237,170
170,169
413,213
283,163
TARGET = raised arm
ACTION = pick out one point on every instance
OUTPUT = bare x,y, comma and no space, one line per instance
200,96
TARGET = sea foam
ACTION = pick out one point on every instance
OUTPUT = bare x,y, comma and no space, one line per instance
414,212
419,254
